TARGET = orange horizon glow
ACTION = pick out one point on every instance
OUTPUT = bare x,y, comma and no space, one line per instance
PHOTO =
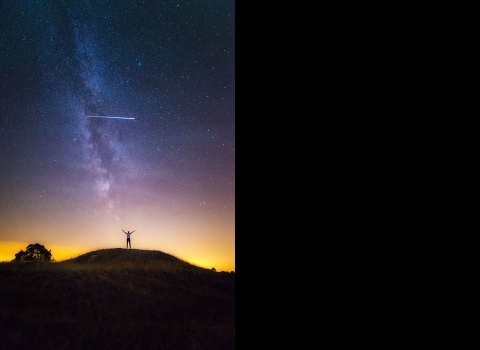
60,253
201,235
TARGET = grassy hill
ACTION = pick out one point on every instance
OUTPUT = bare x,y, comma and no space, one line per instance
116,299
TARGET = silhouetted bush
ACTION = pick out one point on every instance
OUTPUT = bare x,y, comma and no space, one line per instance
34,252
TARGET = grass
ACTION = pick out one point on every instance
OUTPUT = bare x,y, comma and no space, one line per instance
116,299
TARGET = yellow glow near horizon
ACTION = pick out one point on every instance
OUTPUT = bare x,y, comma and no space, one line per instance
60,253
9,249
64,253
202,239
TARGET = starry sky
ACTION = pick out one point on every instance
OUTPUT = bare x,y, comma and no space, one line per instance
73,183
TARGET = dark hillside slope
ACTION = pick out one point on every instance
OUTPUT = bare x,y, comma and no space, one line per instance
116,299
114,256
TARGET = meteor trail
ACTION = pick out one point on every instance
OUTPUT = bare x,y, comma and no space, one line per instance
104,116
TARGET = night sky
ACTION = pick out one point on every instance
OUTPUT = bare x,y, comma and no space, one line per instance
73,183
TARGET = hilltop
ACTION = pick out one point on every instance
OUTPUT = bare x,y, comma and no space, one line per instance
116,299
121,256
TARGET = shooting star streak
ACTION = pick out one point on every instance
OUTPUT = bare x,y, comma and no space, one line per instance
107,117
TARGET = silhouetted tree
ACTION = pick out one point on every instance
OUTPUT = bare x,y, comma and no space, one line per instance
34,252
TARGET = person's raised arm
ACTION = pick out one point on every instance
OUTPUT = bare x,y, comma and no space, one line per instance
132,231
124,232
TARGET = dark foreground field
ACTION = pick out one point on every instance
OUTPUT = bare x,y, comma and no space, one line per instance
116,299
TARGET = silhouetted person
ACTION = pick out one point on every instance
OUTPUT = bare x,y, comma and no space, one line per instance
128,233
